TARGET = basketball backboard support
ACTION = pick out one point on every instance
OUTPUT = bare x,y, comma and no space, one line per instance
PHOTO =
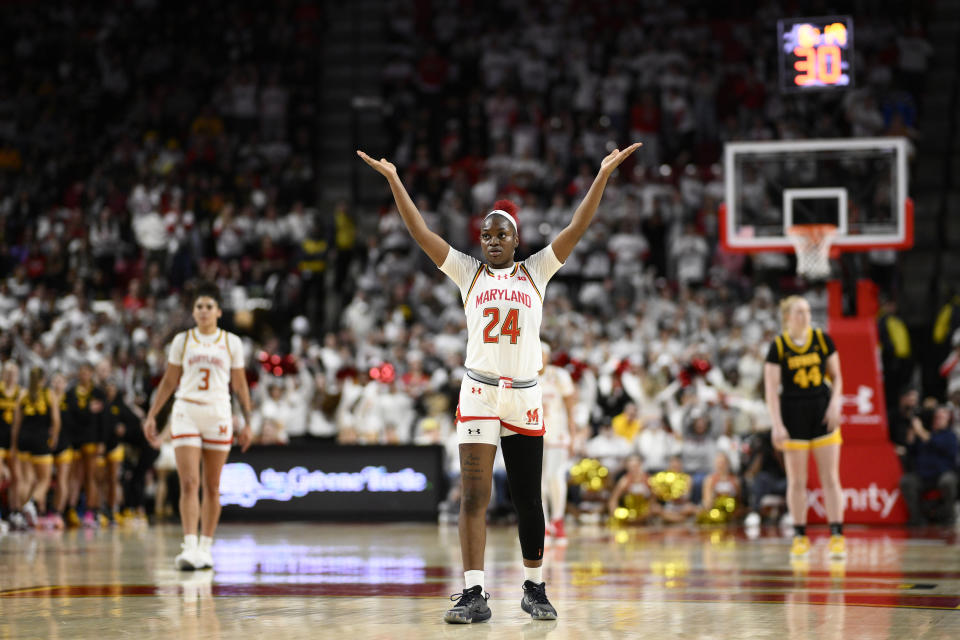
860,185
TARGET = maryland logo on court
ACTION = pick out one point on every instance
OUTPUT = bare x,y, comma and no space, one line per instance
533,416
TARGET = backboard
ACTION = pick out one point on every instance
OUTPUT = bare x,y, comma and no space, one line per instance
860,185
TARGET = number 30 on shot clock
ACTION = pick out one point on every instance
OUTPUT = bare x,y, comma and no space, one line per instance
815,53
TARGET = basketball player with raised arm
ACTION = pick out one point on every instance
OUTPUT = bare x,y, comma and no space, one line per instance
500,397
202,364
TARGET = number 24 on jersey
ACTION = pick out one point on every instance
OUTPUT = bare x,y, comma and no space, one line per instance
510,327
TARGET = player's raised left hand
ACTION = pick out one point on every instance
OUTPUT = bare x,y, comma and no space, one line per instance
383,166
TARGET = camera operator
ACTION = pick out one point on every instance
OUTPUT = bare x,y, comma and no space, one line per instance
900,420
932,464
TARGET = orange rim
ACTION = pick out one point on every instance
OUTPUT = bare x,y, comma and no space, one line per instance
815,233
812,231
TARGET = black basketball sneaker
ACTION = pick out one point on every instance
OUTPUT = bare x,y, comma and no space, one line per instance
471,607
535,601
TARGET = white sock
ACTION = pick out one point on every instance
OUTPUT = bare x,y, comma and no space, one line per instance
190,541
472,579
205,543
533,574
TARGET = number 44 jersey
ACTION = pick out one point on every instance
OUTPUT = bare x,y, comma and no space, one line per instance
206,361
803,367
504,310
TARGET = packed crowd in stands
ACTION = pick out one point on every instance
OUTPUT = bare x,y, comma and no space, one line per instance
158,157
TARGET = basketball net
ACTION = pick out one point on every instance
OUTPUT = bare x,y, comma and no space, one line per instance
812,244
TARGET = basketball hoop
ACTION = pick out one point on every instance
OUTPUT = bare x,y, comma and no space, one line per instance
812,243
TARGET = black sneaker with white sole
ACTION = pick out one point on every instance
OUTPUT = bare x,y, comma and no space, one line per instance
535,601
471,607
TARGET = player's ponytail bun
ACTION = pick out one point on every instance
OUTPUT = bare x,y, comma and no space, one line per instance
506,205
505,209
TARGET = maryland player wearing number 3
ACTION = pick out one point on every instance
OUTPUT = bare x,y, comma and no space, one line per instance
500,399
803,392
202,364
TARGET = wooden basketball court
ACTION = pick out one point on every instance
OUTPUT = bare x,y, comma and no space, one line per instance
289,581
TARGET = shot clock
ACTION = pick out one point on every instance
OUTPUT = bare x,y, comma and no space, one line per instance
816,54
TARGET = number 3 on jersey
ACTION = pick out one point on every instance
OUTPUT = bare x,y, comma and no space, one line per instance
205,383
511,325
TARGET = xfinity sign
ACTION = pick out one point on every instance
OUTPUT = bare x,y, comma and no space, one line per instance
871,498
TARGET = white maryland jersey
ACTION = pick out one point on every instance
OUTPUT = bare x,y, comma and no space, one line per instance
206,361
504,310
557,385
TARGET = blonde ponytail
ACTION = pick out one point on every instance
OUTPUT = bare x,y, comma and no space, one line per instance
36,377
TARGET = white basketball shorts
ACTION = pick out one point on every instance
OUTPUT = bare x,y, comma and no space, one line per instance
207,426
486,413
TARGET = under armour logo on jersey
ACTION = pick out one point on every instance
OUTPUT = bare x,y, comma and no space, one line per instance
475,390
533,416
473,432
522,279
223,429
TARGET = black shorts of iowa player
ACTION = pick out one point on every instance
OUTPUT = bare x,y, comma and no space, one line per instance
805,388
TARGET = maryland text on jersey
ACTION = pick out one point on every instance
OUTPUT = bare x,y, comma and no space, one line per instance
506,295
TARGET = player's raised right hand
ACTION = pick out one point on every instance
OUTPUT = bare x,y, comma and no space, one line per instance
383,166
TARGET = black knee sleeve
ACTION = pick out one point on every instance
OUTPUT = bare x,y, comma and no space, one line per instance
523,457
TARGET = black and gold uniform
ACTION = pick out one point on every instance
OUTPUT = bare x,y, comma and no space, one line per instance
84,422
8,407
118,419
805,387
63,447
36,426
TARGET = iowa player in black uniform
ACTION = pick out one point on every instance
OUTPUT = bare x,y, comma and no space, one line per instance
36,428
63,453
803,393
118,418
10,393
85,403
